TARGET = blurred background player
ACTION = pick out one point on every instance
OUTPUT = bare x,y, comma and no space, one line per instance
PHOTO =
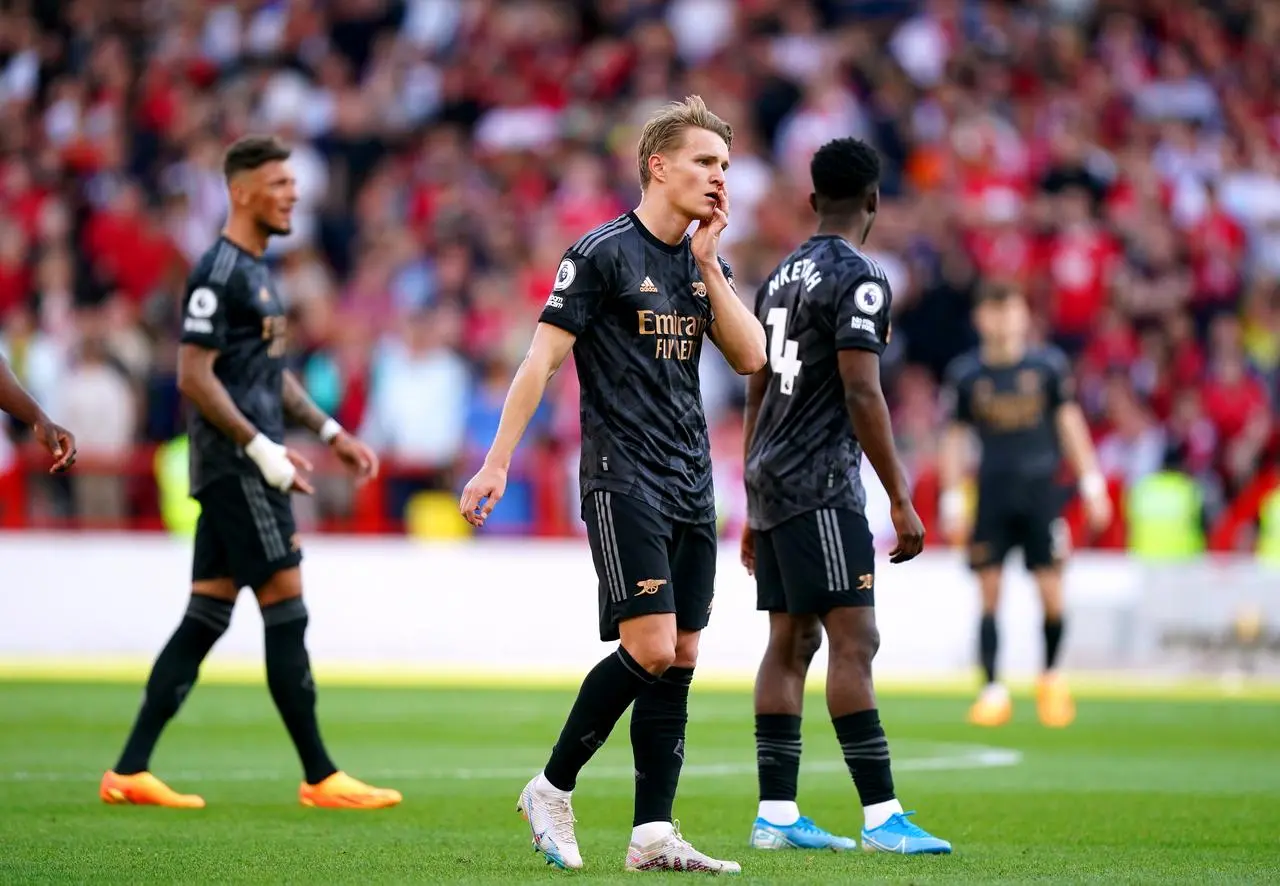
55,439
1019,398
826,309
231,367
632,301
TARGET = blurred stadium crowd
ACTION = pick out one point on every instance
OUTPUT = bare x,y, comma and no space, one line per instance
1116,156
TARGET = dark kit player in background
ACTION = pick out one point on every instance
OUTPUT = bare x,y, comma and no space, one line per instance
811,413
1020,400
231,368
632,300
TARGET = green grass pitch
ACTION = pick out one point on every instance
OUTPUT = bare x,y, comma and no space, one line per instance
1138,791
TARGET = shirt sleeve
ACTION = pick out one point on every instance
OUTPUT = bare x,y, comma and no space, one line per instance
1061,382
576,295
204,318
862,315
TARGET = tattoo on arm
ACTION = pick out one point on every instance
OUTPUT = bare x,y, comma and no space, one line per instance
299,406
201,386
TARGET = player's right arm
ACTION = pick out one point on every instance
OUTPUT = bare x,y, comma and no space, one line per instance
953,452
574,298
204,336
862,332
15,401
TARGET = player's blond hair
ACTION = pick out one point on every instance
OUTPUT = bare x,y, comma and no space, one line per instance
665,129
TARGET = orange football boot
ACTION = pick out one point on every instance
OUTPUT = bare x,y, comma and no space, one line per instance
144,789
1054,703
341,791
993,707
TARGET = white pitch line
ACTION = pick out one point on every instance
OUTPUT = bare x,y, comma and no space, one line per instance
962,757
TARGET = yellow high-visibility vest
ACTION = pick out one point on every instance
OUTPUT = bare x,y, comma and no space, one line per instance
1163,514
1269,528
177,508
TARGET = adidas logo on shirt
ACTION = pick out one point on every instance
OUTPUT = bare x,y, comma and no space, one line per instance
647,286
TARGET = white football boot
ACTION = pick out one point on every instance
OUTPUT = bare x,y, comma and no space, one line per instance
674,853
550,817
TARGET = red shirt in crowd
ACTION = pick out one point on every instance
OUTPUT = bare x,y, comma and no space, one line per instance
1230,404
1217,245
1078,266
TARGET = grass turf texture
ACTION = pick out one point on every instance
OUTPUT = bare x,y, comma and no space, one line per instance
1138,791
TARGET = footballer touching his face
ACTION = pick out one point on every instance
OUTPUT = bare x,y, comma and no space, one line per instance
633,300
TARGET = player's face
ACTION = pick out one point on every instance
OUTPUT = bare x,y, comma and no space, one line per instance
695,173
275,192
1004,321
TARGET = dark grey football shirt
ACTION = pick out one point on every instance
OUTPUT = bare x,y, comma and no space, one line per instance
1013,408
640,310
232,308
824,297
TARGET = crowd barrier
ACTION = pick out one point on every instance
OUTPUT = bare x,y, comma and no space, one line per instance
526,607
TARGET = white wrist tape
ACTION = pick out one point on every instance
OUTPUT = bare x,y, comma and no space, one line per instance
1093,485
951,505
271,460
330,429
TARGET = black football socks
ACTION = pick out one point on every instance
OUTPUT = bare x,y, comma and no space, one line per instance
607,690
778,756
292,687
866,753
172,676
658,723
987,640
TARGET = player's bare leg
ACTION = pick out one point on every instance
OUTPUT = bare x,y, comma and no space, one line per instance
172,676
284,621
1053,698
779,700
851,699
993,707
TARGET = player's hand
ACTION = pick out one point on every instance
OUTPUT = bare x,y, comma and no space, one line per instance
358,457
749,550
482,494
910,529
1097,509
58,442
953,517
706,239
300,464
279,466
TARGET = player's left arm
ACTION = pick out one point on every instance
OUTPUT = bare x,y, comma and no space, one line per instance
300,408
862,332
734,329
1077,443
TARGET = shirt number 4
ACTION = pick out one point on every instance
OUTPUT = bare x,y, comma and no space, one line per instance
784,353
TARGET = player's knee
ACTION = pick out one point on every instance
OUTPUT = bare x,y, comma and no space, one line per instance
855,650
284,585
654,654
807,642
794,641
686,653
